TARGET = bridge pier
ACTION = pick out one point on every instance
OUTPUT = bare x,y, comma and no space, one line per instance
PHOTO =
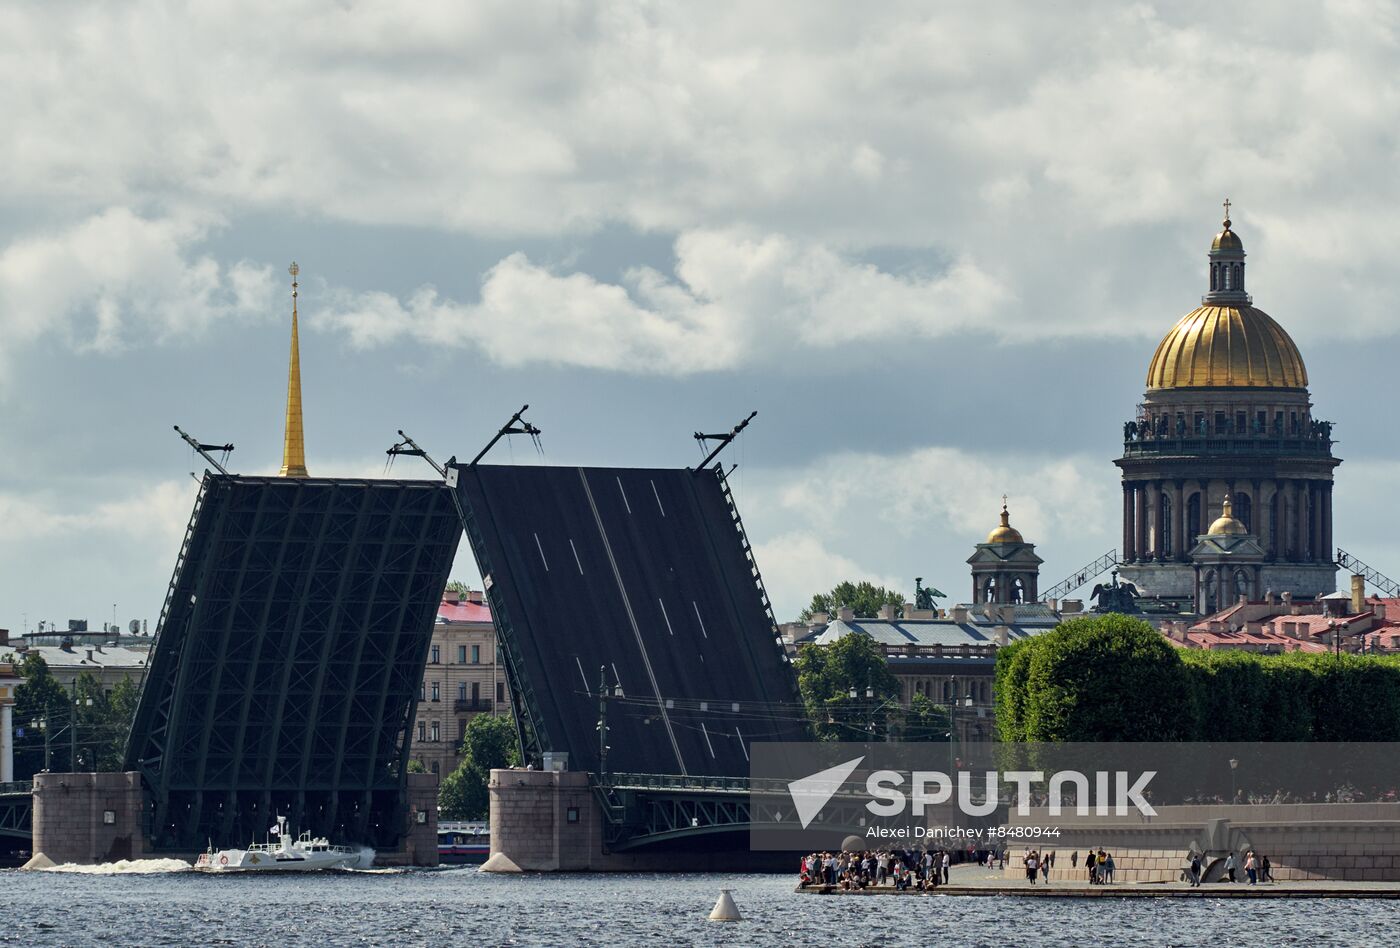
88,818
551,821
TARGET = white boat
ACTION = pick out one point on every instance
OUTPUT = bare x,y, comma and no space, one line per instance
302,854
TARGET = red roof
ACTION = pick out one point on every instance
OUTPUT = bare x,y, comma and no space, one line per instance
463,611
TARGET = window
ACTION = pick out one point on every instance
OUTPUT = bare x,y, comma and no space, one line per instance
461,655
422,732
500,692
436,695
422,692
461,729
437,655
461,691
436,767
476,654
571,815
109,817
476,692
436,732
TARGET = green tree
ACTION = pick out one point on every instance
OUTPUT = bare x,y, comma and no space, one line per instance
416,766
1107,678
457,586
490,742
924,721
863,598
39,698
847,688
1009,689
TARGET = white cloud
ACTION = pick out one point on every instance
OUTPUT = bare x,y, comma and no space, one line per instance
736,298
889,517
799,564
153,515
115,277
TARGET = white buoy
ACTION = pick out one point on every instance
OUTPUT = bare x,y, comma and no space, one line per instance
725,910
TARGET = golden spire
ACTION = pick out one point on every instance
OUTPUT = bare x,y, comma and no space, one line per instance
294,440
1005,533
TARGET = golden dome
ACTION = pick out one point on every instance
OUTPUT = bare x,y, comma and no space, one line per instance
1227,239
1231,346
1227,524
1005,533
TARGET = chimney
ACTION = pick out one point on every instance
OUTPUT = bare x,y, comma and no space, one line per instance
1008,613
1003,636
1054,605
89,651
1358,594
452,595
908,610
959,614
887,612
1269,597
4,636
821,618
846,613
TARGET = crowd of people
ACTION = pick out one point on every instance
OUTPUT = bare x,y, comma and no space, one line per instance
899,868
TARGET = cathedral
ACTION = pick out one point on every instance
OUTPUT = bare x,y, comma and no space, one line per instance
1227,476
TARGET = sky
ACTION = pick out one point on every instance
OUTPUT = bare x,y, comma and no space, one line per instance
934,246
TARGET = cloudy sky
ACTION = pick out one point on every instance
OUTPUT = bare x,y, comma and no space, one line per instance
933,245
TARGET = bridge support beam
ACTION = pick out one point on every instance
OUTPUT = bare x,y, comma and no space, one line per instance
88,818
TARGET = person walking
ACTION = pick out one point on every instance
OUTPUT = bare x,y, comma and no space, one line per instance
1045,865
1230,867
1074,859
1195,869
1089,864
1250,868
947,865
1266,873
1108,869
1031,866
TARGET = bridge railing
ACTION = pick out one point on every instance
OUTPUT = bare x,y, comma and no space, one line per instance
14,787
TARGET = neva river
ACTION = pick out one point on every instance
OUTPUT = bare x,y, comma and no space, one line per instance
461,906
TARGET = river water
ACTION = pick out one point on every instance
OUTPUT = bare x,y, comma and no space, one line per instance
461,906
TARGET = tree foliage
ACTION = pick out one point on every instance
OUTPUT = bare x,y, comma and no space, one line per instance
85,719
828,674
924,721
864,598
1114,678
490,742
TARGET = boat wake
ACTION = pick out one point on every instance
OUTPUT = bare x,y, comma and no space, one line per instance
124,867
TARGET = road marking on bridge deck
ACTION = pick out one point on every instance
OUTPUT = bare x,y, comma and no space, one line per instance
541,549
741,743
657,496
576,559
624,496
698,619
665,616
586,690
706,732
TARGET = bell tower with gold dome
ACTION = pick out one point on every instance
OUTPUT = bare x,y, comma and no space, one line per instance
1227,424
1005,569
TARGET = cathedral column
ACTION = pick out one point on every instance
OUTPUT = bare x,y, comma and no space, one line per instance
1329,551
1179,521
1140,522
1304,538
1154,522
1269,535
1129,531
1315,519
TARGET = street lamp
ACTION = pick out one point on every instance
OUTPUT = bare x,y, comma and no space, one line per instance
1234,765
953,719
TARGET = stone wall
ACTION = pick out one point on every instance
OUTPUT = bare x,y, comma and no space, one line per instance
88,818
419,846
1341,841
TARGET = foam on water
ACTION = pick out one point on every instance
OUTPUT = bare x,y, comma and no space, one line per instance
124,867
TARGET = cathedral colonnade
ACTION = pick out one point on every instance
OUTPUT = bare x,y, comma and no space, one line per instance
1291,516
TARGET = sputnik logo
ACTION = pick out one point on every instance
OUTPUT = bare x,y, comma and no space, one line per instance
811,793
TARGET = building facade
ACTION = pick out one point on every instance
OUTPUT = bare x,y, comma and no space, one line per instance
462,679
1227,417
1005,569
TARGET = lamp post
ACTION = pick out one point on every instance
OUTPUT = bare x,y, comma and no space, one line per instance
953,720
1234,765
